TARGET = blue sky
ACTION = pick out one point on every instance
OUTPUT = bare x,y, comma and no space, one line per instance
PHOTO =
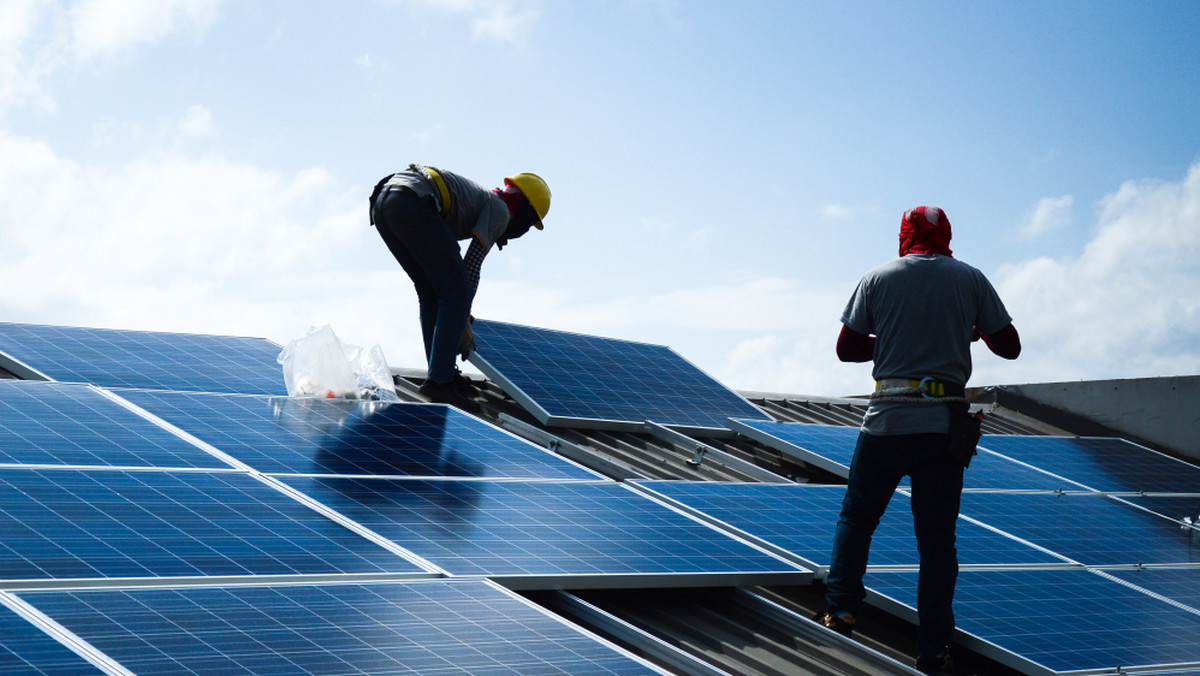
723,173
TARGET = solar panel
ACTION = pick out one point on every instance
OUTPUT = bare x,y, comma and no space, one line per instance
55,424
1181,585
26,649
1058,621
802,518
431,627
67,524
1090,528
146,359
541,529
570,379
1100,463
333,436
831,448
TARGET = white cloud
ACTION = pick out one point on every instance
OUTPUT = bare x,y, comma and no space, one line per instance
197,123
105,27
1129,305
1050,214
491,20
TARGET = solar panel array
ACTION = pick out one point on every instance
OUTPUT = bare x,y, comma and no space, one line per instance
1116,521
571,379
149,526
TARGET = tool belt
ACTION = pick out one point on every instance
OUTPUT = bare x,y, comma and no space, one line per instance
965,427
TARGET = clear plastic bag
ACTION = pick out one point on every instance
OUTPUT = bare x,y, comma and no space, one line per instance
320,365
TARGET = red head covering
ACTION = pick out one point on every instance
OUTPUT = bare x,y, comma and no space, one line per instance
925,230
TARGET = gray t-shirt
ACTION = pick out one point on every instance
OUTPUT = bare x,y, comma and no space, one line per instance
474,210
921,308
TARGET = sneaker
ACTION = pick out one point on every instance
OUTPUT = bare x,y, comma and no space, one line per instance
842,623
464,384
447,393
937,663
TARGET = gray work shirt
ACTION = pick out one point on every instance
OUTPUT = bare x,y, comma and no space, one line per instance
474,210
921,308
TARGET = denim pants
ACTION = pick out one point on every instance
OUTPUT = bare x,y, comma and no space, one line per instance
421,241
878,465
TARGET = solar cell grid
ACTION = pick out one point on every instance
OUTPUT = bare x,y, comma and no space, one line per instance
26,649
575,379
65,524
1097,624
427,628
154,360
1090,528
55,424
329,436
1181,585
802,518
1100,463
536,528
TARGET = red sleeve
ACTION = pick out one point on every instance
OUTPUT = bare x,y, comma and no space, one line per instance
1005,342
855,346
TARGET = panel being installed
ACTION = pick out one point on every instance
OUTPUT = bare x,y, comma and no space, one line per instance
68,524
831,448
333,436
555,534
1100,463
429,627
1064,621
801,519
153,360
58,424
570,379
1090,528
26,649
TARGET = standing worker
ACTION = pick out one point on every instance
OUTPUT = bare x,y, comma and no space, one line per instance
421,214
915,317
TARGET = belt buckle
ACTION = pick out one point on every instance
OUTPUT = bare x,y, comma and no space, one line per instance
924,393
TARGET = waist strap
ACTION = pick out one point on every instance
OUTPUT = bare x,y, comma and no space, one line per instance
442,190
926,387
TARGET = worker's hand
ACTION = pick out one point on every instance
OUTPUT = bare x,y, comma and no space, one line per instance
466,344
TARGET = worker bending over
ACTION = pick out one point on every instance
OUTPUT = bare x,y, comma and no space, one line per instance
421,214
915,317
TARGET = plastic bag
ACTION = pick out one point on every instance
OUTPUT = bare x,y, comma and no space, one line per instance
318,365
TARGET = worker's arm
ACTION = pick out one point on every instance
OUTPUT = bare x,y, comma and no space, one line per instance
1005,342
474,261
855,346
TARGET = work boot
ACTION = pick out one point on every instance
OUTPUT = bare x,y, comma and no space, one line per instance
842,623
937,663
448,393
463,384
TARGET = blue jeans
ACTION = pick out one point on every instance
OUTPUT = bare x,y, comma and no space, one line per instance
878,465
421,241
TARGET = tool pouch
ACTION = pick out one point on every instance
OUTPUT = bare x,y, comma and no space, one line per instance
965,430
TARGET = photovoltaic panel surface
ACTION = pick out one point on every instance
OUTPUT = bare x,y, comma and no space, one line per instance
26,649
587,381
45,423
515,528
1090,528
429,628
333,436
802,518
1060,621
831,447
1100,463
1181,585
146,359
66,524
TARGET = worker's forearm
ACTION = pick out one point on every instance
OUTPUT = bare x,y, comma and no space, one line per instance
855,346
1004,343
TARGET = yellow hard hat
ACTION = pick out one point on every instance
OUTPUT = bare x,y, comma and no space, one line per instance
535,190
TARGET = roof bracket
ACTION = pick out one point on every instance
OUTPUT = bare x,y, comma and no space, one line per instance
697,457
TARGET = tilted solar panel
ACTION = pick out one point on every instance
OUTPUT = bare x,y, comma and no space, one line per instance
1057,621
1090,528
561,530
26,649
146,359
1181,585
1100,463
45,423
802,518
570,379
333,436
67,524
431,627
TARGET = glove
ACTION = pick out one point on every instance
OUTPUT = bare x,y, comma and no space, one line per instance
466,343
